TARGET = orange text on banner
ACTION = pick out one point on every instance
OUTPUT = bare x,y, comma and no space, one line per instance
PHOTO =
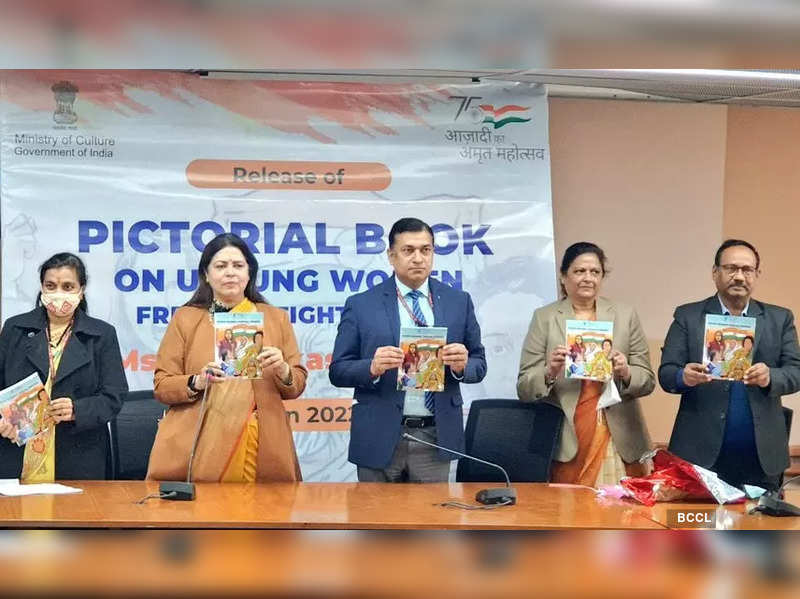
290,175
319,414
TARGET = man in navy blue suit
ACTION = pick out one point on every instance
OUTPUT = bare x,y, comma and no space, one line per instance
366,356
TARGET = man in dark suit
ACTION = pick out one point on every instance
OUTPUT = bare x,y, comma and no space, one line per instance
366,356
735,428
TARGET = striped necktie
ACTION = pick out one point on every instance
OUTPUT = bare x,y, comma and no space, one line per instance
417,311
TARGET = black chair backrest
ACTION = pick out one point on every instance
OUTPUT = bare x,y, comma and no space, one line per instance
788,413
520,436
133,432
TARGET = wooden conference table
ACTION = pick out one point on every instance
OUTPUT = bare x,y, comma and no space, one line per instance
113,504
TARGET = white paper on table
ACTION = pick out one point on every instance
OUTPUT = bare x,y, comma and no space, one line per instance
610,395
10,487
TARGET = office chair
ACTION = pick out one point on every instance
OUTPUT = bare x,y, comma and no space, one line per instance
520,436
132,434
788,413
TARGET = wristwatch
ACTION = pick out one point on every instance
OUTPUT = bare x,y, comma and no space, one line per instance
548,381
192,389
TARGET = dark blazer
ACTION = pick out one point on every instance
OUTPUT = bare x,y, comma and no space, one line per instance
699,427
90,374
370,320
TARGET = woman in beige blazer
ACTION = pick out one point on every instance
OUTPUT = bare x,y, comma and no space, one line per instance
245,435
597,446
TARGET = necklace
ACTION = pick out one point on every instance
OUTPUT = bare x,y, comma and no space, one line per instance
217,306
220,306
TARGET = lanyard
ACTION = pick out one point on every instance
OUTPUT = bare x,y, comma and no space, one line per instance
62,341
418,322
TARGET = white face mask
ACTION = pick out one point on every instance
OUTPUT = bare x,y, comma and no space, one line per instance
61,304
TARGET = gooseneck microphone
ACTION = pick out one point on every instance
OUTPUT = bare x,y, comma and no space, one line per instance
503,496
184,490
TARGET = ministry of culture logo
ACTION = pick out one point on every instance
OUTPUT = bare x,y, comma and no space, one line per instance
498,117
65,93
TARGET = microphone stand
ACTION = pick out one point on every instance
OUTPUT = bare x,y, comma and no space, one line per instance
505,495
185,490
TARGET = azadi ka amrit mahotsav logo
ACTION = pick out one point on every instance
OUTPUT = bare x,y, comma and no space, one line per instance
501,116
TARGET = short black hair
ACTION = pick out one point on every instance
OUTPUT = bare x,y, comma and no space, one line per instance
578,249
729,243
408,225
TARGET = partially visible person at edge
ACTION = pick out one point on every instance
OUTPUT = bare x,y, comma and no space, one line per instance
261,447
734,428
78,359
597,446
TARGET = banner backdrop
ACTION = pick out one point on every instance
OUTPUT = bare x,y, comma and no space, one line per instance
136,171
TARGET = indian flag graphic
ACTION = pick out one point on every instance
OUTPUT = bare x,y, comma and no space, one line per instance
502,116
591,337
735,334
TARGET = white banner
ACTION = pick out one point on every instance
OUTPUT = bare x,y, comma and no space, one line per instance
136,171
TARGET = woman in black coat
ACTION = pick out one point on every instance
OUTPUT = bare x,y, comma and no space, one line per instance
88,387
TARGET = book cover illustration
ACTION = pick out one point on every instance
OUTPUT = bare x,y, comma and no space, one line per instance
728,346
238,339
589,347
423,368
24,405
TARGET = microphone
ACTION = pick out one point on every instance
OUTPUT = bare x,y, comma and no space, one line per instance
771,504
503,496
179,490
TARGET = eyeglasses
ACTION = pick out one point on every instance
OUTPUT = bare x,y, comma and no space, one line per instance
731,269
